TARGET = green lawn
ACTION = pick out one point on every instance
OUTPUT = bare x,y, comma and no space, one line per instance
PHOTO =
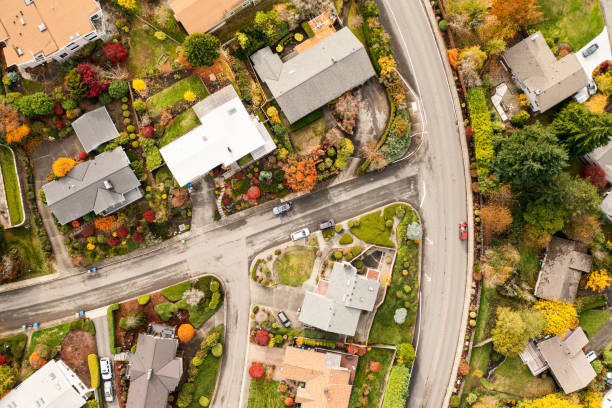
353,14
11,185
32,87
478,363
146,50
206,379
12,347
175,292
198,315
529,265
574,21
383,356
372,230
264,394
53,336
514,378
28,245
593,320
239,20
295,265
174,94
179,126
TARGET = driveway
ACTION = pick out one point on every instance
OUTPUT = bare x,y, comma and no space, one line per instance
603,53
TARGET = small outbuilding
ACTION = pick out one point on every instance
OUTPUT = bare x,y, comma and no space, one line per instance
95,128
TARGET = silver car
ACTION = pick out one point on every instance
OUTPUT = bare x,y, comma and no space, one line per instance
106,368
590,51
109,394
303,233
282,209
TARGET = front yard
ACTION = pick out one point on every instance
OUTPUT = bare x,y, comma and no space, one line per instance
574,21
264,394
295,265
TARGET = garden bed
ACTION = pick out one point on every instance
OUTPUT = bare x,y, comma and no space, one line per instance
363,378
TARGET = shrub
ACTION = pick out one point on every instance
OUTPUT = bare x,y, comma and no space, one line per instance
520,120
137,237
396,391
166,310
36,104
118,89
214,286
110,317
140,106
443,25
115,52
262,338
135,319
483,132
217,350
149,216
185,396
139,85
62,166
400,315
256,370
204,401
455,401
346,239
201,49
144,299
338,228
185,332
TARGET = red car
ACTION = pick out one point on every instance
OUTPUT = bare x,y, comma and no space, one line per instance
463,231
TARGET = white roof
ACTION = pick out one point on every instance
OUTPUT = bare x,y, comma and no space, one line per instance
54,385
227,133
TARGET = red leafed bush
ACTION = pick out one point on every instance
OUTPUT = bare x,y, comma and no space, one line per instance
88,231
113,241
115,52
256,370
253,192
122,232
226,200
76,223
595,174
262,338
137,237
57,109
147,131
2,359
288,402
149,216
469,133
60,124
238,175
604,66
95,88
82,156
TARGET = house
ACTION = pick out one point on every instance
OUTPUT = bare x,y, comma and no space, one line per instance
102,185
95,128
561,271
54,385
327,377
310,79
564,356
336,304
606,11
226,134
606,206
154,371
545,80
199,16
36,31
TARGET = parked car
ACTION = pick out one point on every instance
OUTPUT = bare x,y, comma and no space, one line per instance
609,382
590,50
326,224
591,356
109,394
283,208
463,231
592,87
106,368
303,233
284,319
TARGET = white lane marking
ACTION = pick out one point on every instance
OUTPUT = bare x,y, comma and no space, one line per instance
427,277
429,241
424,195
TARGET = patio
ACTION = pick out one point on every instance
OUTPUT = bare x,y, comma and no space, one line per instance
322,26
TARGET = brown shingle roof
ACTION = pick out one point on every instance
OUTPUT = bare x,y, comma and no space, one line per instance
198,16
61,18
327,383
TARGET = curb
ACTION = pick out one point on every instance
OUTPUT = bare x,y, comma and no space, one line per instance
470,216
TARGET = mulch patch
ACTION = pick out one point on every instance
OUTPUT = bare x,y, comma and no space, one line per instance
76,346
127,338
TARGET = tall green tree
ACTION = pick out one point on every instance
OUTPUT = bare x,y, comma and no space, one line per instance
201,49
580,130
529,159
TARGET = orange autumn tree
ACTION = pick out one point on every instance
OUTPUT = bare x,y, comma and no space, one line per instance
301,175
453,57
105,223
36,361
495,219
518,14
62,166
11,124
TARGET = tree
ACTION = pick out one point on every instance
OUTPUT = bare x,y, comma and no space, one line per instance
549,401
400,315
311,8
598,280
118,89
574,196
495,219
135,319
346,108
74,82
62,166
256,370
201,49
105,223
473,56
268,24
115,52
36,104
580,130
512,330
560,316
301,175
36,360
529,159
8,379
185,332
544,217
583,229
595,174
518,14
204,401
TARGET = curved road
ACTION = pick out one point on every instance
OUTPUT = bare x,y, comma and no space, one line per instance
433,183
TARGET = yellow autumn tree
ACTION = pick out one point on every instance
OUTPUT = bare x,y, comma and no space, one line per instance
17,134
127,4
139,85
549,401
592,399
560,316
62,166
598,280
189,96
387,66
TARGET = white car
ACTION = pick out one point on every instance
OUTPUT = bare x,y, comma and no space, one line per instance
106,368
591,356
109,395
303,233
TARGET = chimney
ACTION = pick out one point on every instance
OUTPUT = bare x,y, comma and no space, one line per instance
149,373
108,185
42,27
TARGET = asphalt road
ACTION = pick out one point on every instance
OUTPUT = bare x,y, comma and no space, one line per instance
443,202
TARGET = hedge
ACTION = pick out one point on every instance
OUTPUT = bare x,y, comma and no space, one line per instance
307,120
396,392
254,270
307,29
111,328
144,299
94,369
483,130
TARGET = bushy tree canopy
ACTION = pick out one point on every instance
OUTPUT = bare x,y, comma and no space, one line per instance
580,130
201,49
36,104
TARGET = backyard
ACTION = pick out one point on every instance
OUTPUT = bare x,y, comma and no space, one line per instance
147,53
308,138
574,21
175,93
365,378
514,378
593,320
180,125
11,186
264,394
295,265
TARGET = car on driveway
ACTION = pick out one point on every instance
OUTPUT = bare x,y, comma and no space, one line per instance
284,319
463,231
106,368
591,356
303,233
590,51
283,208
109,394
327,224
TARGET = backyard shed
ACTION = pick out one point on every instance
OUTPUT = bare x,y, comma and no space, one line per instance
95,128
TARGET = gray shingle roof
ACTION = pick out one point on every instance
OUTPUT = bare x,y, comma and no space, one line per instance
95,128
83,189
316,76
536,68
155,371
